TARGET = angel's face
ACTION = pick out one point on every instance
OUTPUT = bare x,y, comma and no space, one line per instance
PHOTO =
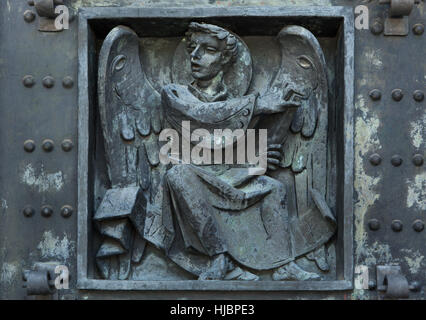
206,56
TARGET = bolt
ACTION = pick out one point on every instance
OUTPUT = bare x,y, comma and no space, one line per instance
377,27
396,225
48,82
375,94
29,16
67,82
66,211
28,81
47,145
28,211
396,160
415,286
374,224
67,145
418,29
397,94
29,145
418,225
375,159
418,95
418,160
46,211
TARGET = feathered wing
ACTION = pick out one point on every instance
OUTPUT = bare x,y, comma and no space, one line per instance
130,114
303,133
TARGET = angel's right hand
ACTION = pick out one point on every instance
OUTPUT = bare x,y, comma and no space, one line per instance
274,103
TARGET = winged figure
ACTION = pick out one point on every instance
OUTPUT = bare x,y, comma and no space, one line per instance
216,221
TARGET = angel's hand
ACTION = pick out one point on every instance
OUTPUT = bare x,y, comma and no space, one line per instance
274,103
274,156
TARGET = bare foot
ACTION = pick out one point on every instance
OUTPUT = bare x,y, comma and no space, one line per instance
292,271
241,274
217,269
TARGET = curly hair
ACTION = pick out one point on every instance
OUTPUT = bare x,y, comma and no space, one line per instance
231,49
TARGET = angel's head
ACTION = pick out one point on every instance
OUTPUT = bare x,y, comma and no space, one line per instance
212,49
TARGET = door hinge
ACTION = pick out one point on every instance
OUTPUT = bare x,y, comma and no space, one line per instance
396,24
41,280
392,282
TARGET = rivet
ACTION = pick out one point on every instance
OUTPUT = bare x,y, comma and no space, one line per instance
67,82
66,211
374,224
418,95
396,160
418,29
29,145
418,160
375,94
377,27
48,82
375,159
396,225
28,211
46,211
67,145
28,81
418,225
397,95
29,16
47,145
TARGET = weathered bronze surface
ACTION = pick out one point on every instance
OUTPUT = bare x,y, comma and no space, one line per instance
58,170
216,221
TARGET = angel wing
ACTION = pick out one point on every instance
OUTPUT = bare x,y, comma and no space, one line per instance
303,133
302,77
129,109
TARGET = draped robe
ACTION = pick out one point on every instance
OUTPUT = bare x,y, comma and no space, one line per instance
213,209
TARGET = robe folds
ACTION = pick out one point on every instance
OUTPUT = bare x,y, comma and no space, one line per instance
212,209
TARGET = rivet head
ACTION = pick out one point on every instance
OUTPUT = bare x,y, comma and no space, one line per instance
67,145
377,27
46,211
29,16
418,95
28,81
397,94
374,224
48,82
67,82
418,225
375,159
396,225
66,211
28,211
29,145
396,160
418,29
48,145
418,160
375,94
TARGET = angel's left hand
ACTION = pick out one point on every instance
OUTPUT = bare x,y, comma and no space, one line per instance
274,156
